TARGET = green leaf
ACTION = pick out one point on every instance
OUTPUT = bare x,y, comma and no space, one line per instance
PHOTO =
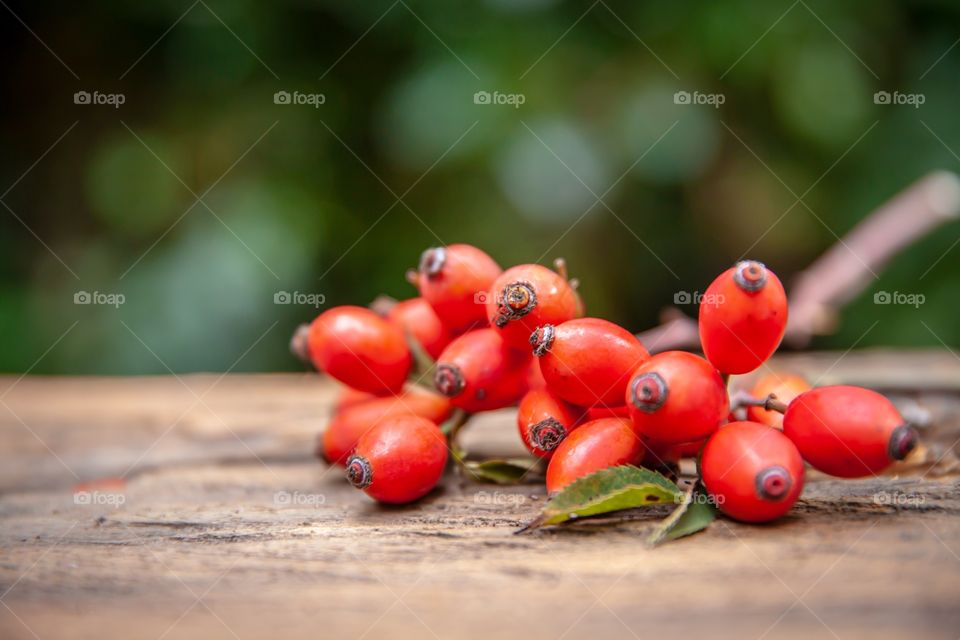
693,514
507,471
612,489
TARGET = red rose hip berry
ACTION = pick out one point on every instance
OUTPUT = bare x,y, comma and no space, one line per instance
743,316
456,281
588,361
753,472
349,424
528,296
399,460
847,431
596,445
677,397
544,421
478,372
418,317
360,349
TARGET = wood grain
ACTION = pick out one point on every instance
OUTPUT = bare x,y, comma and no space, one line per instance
224,526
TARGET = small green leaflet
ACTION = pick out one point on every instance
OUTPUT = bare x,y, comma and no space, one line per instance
692,515
508,471
612,489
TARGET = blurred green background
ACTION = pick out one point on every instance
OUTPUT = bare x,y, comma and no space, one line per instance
303,197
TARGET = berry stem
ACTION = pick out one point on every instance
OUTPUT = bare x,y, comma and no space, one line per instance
743,399
299,346
560,266
422,362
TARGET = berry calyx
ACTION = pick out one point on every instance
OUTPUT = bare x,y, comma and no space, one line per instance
398,461
648,392
517,300
596,445
750,275
456,280
676,397
478,372
527,296
448,380
743,316
773,483
753,472
359,473
588,361
360,349
542,339
544,421
847,431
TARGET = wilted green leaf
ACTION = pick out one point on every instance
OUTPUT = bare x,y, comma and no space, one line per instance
508,471
693,514
613,489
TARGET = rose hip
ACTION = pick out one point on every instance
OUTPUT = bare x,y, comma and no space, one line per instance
527,296
478,372
743,316
677,397
753,472
360,349
591,447
417,317
400,460
456,281
588,361
349,424
544,421
847,431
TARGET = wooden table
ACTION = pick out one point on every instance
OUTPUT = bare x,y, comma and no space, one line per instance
225,526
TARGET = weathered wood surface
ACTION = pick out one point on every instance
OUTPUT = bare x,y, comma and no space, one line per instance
228,528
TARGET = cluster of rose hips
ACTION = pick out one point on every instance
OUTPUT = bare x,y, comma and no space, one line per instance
590,395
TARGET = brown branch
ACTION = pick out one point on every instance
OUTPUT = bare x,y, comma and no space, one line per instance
845,269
